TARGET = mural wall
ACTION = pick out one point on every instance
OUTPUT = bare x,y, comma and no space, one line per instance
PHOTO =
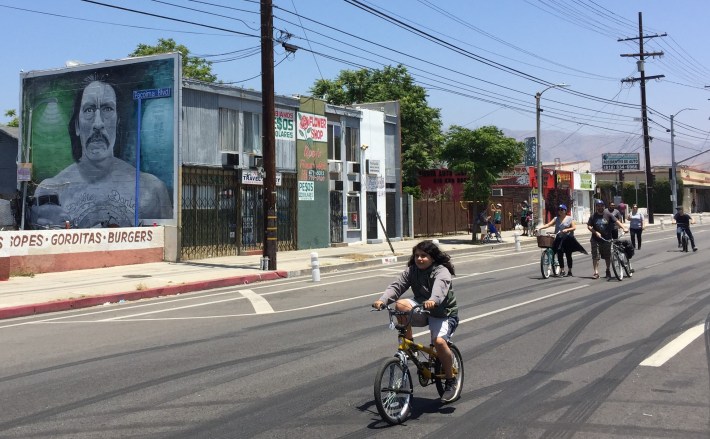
102,142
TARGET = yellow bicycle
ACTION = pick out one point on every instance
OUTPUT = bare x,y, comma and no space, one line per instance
393,381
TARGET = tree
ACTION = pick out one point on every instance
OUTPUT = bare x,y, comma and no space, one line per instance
192,66
482,154
14,121
421,124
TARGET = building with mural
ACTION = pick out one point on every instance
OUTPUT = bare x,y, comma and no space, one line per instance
130,143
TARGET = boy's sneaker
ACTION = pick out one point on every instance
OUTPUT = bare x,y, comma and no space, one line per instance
449,390
608,274
695,249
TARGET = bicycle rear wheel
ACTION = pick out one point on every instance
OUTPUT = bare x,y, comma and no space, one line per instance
393,391
545,264
616,263
458,372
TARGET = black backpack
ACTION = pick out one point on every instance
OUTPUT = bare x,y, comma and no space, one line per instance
628,248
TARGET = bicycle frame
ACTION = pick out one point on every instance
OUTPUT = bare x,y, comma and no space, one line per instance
410,347
407,348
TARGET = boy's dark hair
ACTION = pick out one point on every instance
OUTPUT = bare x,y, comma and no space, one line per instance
439,257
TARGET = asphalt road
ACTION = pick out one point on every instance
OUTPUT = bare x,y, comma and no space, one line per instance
555,358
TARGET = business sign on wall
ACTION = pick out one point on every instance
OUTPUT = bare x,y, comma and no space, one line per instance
306,191
68,242
285,124
256,178
312,127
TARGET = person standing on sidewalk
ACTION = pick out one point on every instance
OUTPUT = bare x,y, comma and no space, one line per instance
524,212
601,224
497,215
637,225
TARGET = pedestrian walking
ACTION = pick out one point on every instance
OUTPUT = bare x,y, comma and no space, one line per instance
637,224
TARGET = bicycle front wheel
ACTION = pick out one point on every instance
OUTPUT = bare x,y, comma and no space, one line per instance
626,264
545,264
457,365
684,242
393,391
616,264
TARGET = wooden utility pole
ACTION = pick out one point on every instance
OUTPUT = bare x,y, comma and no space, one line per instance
269,136
644,117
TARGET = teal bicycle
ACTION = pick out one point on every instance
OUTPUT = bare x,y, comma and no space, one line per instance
549,265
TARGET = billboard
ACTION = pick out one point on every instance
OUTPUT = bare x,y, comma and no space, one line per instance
102,140
620,161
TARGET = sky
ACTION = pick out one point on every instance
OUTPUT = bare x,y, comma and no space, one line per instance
482,62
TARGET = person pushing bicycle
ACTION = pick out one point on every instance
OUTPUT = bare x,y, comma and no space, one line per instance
428,274
683,222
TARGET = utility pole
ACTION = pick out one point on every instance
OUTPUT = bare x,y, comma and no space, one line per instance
269,135
644,117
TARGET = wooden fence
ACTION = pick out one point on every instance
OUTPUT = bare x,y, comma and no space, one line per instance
432,218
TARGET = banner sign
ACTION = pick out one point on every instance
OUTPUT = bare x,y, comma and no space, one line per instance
530,151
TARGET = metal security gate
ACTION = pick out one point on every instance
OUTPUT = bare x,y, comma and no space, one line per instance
222,217
336,217
209,213
252,218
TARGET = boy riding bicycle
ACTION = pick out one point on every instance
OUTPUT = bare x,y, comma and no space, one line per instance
428,273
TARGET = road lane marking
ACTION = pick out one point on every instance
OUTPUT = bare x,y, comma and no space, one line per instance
261,305
517,305
674,347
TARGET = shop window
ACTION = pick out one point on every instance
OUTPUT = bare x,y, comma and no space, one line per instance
354,212
334,142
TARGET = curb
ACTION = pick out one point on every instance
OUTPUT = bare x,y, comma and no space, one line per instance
86,302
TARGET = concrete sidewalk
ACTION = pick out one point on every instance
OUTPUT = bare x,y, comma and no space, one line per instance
48,292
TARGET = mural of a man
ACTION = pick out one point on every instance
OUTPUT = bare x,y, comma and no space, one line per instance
98,188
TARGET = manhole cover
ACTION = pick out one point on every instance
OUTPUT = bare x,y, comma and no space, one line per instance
136,276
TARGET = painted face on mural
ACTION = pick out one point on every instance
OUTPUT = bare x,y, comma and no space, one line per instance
96,126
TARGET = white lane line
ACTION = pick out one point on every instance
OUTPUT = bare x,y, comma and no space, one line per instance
674,347
261,305
517,305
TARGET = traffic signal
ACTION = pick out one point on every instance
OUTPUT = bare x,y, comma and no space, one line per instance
621,176
670,174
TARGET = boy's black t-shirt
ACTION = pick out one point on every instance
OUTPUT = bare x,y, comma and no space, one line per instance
601,222
682,220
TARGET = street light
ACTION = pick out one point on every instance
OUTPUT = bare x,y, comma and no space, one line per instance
673,163
540,200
